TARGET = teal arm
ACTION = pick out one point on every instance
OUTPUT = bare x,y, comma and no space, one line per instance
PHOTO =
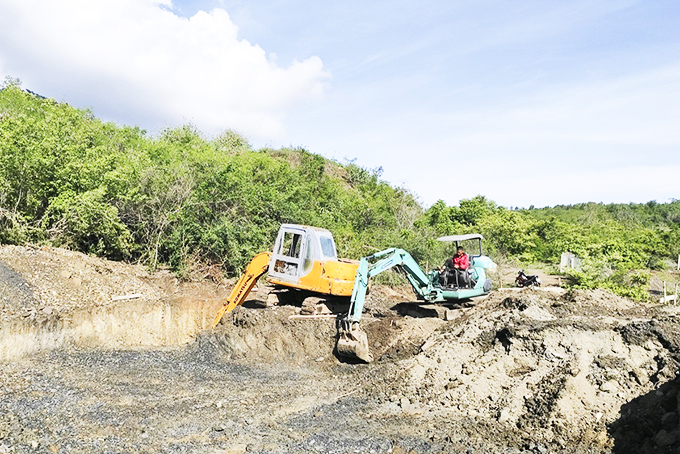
389,258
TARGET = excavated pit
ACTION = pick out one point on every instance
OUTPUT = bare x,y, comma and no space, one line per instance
125,325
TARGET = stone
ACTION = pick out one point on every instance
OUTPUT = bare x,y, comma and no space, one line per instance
609,387
451,315
664,439
669,420
504,415
451,384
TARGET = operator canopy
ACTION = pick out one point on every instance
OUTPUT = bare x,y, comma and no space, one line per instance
469,236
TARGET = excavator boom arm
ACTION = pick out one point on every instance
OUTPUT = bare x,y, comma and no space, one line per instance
388,258
352,340
256,268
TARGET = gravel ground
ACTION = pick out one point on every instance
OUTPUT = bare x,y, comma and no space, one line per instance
186,400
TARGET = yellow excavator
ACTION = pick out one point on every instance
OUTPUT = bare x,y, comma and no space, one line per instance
304,258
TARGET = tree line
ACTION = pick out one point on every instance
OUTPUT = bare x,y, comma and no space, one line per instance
181,200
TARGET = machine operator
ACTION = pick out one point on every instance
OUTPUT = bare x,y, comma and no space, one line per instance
454,272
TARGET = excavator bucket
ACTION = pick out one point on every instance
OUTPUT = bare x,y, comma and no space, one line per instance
353,342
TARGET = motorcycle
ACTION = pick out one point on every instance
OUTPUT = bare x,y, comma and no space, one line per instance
524,280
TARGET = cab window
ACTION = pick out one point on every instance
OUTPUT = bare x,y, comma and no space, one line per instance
291,244
327,247
309,256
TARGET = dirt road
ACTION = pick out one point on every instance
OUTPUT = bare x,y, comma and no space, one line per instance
530,371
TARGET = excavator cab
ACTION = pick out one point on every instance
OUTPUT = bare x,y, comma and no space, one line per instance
303,258
296,250
286,263
477,280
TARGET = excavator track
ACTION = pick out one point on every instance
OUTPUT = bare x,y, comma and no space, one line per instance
308,306
266,295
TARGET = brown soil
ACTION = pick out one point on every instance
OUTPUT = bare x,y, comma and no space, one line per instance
99,356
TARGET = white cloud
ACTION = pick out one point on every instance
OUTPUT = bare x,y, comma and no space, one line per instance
137,59
640,110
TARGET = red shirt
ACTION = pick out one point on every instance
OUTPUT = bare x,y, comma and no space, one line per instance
462,261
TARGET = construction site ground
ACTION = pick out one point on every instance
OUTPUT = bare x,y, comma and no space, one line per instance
100,356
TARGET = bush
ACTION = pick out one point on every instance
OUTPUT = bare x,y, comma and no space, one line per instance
599,273
68,179
86,223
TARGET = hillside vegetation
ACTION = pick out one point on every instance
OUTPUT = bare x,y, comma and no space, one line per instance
69,179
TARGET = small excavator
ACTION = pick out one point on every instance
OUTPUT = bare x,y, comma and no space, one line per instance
352,340
304,260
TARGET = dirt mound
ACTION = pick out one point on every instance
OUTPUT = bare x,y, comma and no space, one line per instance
545,368
270,335
36,281
256,333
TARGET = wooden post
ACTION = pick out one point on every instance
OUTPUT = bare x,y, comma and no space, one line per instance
679,262
664,292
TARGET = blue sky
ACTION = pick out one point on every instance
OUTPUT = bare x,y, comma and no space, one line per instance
526,102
